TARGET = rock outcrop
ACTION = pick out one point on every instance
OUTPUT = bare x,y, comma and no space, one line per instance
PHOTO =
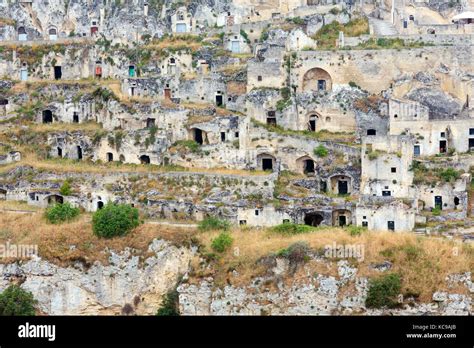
102,289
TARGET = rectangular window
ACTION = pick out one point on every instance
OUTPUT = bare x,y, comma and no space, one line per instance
365,223
471,131
393,170
443,135
257,212
417,150
386,193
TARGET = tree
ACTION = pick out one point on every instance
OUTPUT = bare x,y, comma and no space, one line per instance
14,301
60,213
115,220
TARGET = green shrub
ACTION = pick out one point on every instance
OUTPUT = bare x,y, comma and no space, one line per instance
14,301
289,228
436,211
115,220
297,253
222,242
383,291
213,224
190,144
321,151
66,189
355,230
449,174
60,213
170,305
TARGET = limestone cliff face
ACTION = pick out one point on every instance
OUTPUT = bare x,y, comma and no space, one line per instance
314,295
103,289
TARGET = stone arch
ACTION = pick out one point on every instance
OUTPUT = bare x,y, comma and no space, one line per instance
317,79
306,165
341,217
266,161
341,184
199,136
54,199
144,159
313,119
313,218
21,30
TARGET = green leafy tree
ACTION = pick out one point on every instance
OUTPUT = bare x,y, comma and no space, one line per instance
222,242
14,301
60,213
115,220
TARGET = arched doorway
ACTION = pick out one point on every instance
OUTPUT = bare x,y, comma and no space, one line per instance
100,205
199,136
341,184
55,199
341,217
306,165
3,194
110,157
313,219
144,159
317,79
22,35
313,119
53,34
266,162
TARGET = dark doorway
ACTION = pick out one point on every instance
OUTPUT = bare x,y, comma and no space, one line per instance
198,138
267,164
150,123
323,186
313,219
443,146
55,199
271,121
321,85
218,100
3,194
79,153
47,116
58,73
471,144
222,136
438,202
60,152
312,123
100,205
371,132
456,201
342,220
309,167
75,117
342,187
391,225
145,159
110,157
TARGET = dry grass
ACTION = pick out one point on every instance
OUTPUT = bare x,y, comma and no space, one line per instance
66,243
422,262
